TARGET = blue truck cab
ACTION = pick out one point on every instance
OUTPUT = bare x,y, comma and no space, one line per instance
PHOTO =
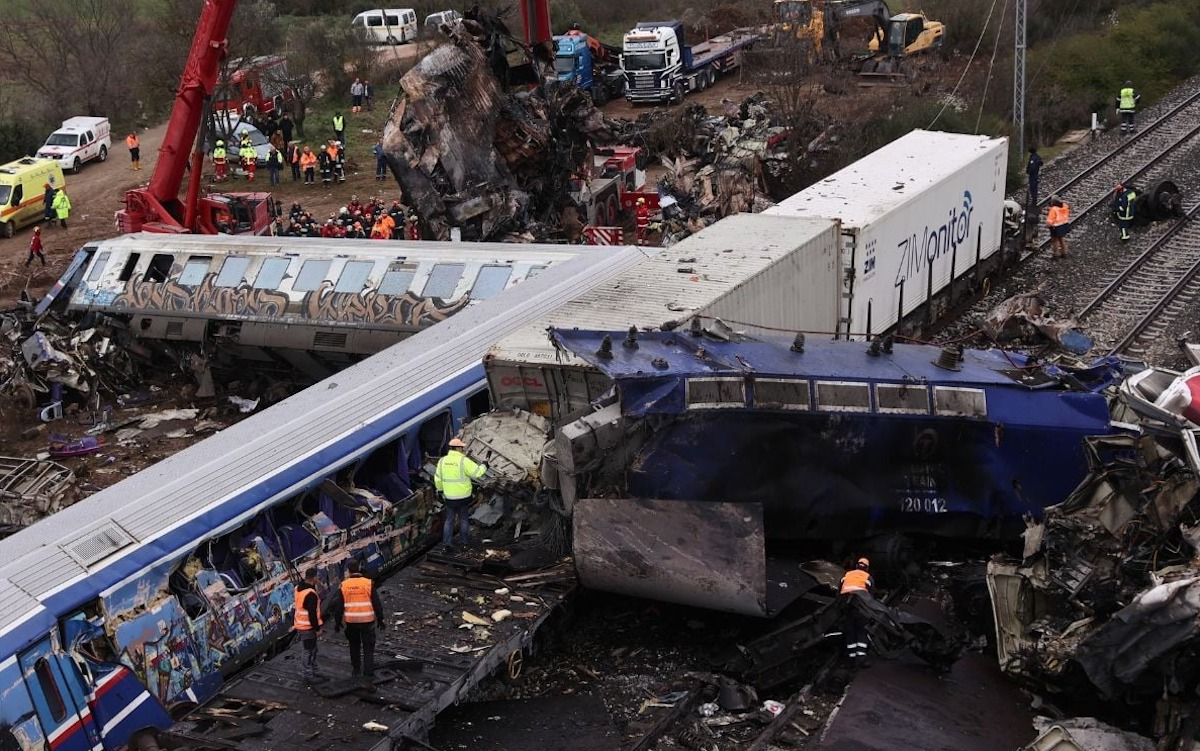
592,67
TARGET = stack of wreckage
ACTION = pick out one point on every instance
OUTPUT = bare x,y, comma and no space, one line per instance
478,147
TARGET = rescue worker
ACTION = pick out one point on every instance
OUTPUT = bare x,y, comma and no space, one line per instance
274,165
48,192
1033,170
62,207
856,583
308,623
293,159
220,166
308,162
642,217
1127,106
325,162
249,159
359,607
1123,203
339,161
412,229
1058,221
381,165
452,478
35,247
135,150
339,126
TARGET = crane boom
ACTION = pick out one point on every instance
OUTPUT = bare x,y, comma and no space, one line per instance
157,207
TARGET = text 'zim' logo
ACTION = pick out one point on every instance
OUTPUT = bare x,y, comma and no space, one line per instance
933,242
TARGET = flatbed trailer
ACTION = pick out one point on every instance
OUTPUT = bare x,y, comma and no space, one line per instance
425,662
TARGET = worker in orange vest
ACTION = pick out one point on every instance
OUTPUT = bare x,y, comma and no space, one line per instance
642,216
856,583
308,163
360,608
135,150
1058,221
308,623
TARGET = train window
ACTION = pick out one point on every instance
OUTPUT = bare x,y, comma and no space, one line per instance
270,276
194,271
778,393
159,268
127,270
710,393
98,266
435,433
491,279
54,700
843,396
232,271
312,273
397,279
354,276
443,280
960,402
479,403
902,398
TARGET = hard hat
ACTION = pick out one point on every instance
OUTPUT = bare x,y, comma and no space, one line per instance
864,563
220,143
456,443
37,229
641,201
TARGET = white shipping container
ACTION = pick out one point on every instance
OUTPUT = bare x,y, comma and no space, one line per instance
758,273
909,212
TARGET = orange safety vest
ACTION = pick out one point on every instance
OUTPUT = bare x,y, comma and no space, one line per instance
356,594
1058,215
855,581
308,160
302,621
131,141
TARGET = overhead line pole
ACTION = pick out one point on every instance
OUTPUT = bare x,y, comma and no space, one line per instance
1019,76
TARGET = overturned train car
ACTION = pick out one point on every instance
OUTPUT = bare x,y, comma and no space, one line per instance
709,449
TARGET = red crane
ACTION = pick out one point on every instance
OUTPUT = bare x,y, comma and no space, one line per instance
157,207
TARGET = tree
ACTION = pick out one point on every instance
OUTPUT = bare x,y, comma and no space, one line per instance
319,53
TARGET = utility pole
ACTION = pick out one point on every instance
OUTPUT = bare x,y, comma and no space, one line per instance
1019,78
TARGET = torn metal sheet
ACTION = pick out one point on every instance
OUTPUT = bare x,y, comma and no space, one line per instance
709,555
1085,734
1024,316
31,489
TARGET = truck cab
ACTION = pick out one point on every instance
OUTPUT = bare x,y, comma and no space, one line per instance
653,57
79,140
910,33
573,62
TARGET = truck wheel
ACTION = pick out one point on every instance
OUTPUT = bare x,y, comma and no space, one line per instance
76,166
8,229
677,93
712,77
599,94
103,153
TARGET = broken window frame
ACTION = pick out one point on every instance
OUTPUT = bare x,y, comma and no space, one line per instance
834,402
942,406
764,403
725,397
195,268
159,268
902,393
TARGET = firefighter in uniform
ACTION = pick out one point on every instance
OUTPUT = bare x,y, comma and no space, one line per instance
642,216
411,228
1127,106
856,583
249,158
359,607
308,623
1126,198
219,163
452,478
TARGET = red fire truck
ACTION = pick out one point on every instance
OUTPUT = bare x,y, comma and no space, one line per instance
253,84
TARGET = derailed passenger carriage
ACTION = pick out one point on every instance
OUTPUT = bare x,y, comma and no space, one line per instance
739,443
136,603
325,296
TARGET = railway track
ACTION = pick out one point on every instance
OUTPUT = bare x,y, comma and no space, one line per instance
1151,147
1143,300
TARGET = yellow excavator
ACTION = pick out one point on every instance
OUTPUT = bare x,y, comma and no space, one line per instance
820,23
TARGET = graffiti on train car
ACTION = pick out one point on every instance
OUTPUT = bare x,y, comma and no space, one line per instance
244,301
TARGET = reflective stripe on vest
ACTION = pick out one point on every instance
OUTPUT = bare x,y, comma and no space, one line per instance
855,581
339,123
1128,101
302,621
356,594
455,483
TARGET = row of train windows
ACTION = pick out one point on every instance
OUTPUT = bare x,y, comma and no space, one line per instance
836,396
443,278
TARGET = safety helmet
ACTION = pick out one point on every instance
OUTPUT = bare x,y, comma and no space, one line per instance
641,201
220,143
37,229
863,563
456,443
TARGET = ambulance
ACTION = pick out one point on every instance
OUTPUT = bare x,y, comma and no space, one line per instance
22,187
79,140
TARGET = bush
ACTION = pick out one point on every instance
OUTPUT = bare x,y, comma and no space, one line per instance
19,138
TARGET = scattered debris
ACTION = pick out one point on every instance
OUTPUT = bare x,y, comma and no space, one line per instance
1023,318
31,489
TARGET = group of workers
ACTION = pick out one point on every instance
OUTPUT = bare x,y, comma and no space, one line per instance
247,157
356,220
1058,216
357,602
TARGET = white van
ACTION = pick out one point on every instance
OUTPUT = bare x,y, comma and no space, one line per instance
434,20
387,25
79,140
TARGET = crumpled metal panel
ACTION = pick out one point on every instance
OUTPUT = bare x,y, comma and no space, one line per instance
708,555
